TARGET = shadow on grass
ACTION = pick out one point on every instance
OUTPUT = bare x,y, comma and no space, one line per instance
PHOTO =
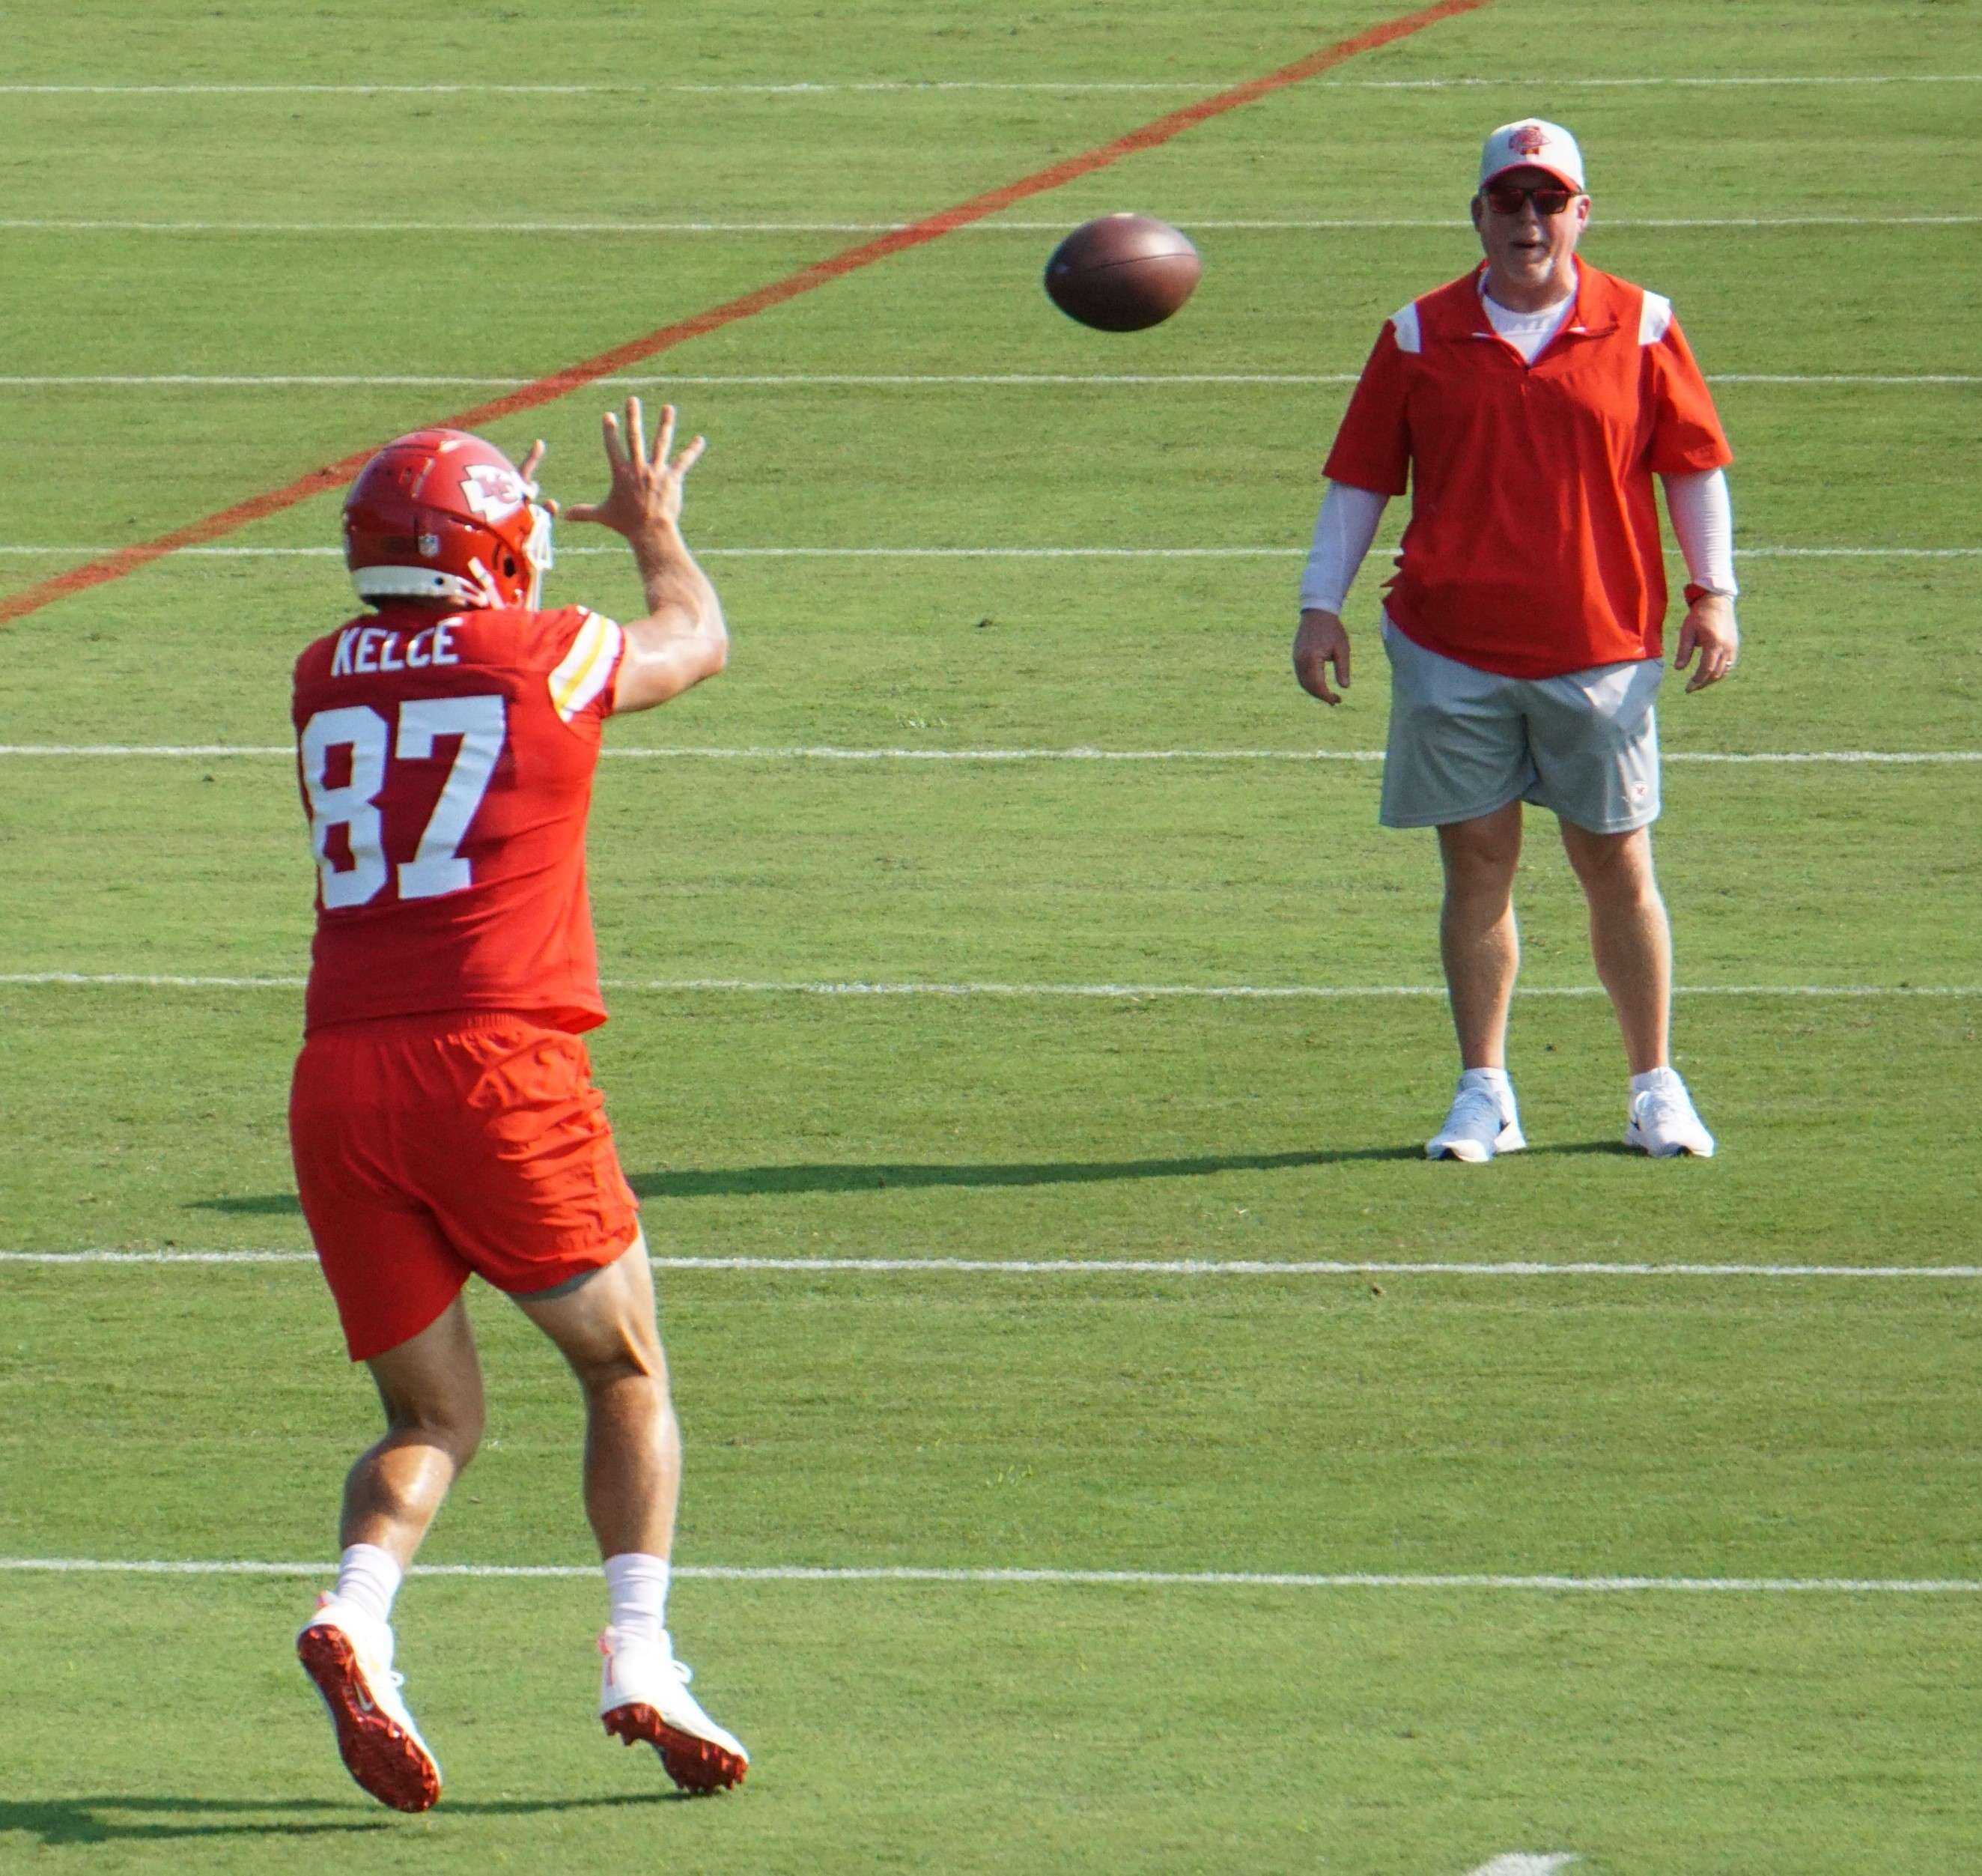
759,1181
126,1819
771,1181
254,1205
752,1181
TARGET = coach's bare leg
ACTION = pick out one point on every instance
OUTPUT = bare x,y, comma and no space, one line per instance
431,1387
1477,934
1630,936
607,1331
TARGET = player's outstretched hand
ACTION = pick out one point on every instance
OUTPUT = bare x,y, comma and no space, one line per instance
647,491
1321,641
1710,630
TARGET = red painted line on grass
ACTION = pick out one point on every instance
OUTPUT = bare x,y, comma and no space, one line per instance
333,475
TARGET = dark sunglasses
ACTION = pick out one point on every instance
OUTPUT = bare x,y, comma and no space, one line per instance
1505,198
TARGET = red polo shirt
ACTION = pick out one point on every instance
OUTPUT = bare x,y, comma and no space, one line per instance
1534,543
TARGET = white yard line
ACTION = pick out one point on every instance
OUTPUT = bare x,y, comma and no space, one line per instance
990,226
1104,1579
1109,1266
803,87
851,987
880,380
831,753
324,552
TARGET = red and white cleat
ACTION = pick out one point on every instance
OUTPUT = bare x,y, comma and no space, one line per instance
349,1657
643,1698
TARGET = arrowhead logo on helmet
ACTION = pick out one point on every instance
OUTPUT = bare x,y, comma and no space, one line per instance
493,491
474,536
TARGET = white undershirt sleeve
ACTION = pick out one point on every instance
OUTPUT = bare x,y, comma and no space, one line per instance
1343,533
1703,517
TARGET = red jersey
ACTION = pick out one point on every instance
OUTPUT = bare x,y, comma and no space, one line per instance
1534,547
446,769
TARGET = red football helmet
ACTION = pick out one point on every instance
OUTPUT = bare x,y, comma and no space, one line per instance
440,515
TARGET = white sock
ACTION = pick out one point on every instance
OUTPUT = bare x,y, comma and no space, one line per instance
368,1578
1493,1078
638,1583
1652,1078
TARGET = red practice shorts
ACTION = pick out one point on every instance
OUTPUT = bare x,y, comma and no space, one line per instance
430,1147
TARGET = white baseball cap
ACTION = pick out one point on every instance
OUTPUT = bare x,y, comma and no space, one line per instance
1532,144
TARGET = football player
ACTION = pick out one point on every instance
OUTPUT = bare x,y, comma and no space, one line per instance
442,1115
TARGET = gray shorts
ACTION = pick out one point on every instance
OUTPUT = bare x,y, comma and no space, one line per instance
1464,742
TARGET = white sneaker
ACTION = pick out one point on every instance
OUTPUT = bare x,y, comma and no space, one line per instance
348,1654
1663,1123
643,1697
1483,1121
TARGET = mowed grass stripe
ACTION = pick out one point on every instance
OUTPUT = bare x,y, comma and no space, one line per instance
801,87
1120,991
1203,1128
830,752
1091,1266
1444,1428
1099,1579
875,381
1281,551
1283,224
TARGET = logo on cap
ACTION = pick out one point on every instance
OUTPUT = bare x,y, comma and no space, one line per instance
1530,140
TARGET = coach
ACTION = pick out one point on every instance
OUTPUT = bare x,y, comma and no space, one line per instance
1528,405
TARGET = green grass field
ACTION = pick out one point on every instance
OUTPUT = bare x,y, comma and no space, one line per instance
1415,1455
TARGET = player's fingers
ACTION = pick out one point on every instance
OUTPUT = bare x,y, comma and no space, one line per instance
531,461
1688,639
636,431
690,456
1312,671
581,511
664,436
1342,663
615,453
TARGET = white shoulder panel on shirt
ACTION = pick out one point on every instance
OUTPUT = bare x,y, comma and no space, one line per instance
1405,324
1653,317
587,666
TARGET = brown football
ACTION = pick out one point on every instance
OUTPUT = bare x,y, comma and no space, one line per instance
1122,273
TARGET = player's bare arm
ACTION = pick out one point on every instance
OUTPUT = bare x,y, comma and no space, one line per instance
1710,630
1321,640
682,639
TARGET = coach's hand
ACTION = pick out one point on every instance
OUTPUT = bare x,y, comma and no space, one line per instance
646,492
1710,630
1321,641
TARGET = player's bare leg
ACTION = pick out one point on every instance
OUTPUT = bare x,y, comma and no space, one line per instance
431,1387
1481,948
607,1331
1630,936
1477,937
